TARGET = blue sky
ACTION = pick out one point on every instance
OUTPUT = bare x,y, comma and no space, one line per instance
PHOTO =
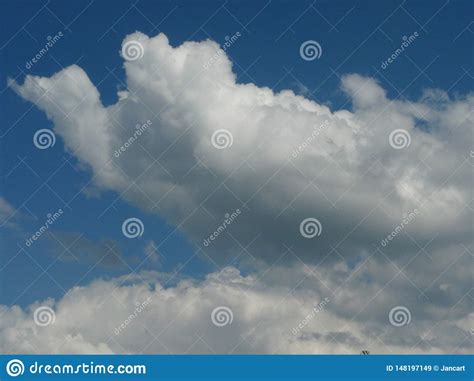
355,36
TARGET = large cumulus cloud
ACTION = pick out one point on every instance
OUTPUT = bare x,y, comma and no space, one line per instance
291,158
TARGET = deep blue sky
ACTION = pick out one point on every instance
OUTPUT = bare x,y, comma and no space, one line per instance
356,37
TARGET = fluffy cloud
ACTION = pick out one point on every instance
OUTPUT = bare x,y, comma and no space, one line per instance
290,157
281,310
360,171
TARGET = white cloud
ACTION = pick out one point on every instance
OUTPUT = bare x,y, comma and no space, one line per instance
281,310
348,175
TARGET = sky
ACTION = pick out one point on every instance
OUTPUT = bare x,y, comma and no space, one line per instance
236,177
